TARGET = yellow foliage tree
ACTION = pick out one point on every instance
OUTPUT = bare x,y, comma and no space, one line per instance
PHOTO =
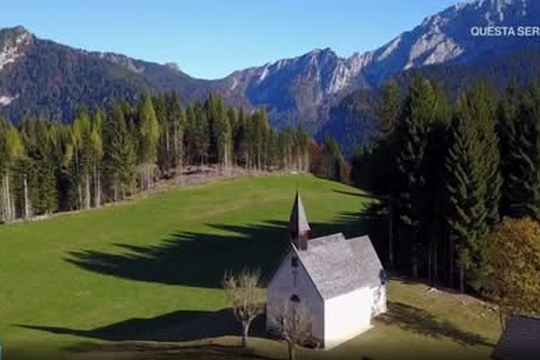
513,256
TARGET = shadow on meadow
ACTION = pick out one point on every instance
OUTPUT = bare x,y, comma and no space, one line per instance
200,259
175,326
420,321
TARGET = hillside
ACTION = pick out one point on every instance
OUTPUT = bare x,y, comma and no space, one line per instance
151,269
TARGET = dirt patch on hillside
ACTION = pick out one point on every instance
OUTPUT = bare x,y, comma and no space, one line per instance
199,175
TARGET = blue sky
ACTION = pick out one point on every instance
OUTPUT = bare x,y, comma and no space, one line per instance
211,38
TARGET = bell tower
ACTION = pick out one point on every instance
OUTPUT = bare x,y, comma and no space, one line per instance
298,225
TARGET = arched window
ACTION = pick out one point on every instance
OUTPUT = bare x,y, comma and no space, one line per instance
295,298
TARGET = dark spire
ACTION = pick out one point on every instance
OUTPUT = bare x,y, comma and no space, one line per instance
298,225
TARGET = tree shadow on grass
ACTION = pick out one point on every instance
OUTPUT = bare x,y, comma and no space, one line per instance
201,259
175,326
152,338
420,321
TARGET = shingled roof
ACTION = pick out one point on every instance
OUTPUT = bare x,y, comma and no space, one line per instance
298,219
520,340
338,266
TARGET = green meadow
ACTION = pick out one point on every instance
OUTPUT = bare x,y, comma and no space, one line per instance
151,268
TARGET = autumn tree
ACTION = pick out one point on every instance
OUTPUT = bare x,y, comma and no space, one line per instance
513,255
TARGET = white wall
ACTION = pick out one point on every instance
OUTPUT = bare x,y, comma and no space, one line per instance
282,286
346,316
379,300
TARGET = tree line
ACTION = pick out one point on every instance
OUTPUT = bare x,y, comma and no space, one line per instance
451,171
107,154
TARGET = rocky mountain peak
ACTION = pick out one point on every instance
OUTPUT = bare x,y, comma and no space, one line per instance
12,44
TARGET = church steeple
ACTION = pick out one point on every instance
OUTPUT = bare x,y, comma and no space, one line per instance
298,225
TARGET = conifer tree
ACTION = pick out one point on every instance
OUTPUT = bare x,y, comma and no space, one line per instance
286,146
40,147
483,111
221,131
468,167
525,198
148,141
510,147
241,140
419,112
119,154
301,150
388,109
333,163
12,150
435,182
176,116
96,145
164,151
78,158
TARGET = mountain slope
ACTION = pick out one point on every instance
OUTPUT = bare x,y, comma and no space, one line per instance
43,77
307,86
353,120
46,78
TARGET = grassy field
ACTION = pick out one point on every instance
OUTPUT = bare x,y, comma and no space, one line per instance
134,271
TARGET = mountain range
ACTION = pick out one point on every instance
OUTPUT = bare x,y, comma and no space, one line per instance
43,77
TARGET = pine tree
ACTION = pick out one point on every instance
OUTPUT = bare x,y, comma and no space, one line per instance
435,181
78,158
508,116
388,113
40,147
241,140
286,146
200,129
176,116
148,141
524,180
96,145
119,154
221,131
388,109
164,149
483,111
301,150
333,163
12,151
4,200
258,136
473,185
419,112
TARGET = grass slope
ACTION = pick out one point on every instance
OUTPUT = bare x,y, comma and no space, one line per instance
131,271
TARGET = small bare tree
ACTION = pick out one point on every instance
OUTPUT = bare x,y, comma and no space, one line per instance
294,323
246,297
